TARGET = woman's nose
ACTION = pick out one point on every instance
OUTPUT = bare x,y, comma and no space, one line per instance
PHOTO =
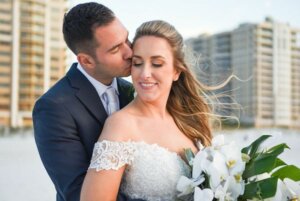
146,72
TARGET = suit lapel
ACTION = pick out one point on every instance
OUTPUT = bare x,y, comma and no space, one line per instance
86,93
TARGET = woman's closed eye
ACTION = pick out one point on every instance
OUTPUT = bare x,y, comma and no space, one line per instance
157,65
137,64
157,62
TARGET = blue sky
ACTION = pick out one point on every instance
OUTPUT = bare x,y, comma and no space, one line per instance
193,17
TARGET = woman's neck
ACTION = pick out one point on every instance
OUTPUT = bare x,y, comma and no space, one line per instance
151,109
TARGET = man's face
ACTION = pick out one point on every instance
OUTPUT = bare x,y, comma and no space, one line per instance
113,54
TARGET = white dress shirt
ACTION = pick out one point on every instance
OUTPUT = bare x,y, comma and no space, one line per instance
101,88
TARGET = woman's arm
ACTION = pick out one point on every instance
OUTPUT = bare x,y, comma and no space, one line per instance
104,176
101,186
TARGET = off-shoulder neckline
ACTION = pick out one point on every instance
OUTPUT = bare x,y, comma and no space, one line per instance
152,145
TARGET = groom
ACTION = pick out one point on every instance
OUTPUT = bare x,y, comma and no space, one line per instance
68,119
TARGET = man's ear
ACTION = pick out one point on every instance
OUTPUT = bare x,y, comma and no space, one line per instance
86,60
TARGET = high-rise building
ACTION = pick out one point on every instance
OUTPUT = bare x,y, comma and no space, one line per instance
213,54
267,57
32,55
295,76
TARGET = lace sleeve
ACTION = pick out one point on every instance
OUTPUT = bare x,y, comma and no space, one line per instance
109,155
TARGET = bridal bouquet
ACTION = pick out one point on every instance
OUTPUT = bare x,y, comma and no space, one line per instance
225,172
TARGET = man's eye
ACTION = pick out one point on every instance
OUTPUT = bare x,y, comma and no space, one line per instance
115,50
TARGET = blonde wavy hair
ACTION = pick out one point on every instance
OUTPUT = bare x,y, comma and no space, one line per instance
186,102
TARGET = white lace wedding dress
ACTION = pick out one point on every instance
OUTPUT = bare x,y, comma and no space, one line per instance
152,171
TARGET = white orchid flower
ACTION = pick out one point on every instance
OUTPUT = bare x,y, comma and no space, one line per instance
281,192
186,186
225,171
202,161
222,195
286,190
223,164
203,195
218,141
293,189
236,188
230,191
232,154
217,171
233,158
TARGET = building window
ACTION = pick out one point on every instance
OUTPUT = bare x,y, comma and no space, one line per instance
298,39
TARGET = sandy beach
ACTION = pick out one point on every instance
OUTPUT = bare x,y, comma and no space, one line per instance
23,177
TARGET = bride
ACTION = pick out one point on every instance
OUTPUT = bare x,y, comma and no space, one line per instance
140,150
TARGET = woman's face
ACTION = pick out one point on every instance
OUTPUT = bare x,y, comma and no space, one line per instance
153,69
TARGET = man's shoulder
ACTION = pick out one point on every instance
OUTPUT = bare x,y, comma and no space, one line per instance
62,88
59,89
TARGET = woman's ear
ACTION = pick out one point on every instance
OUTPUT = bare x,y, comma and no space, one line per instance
176,75
86,60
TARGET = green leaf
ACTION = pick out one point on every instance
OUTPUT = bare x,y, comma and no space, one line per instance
278,147
289,171
260,189
259,166
264,162
252,148
279,163
189,155
274,151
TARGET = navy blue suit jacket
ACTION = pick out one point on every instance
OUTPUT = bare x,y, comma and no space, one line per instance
68,120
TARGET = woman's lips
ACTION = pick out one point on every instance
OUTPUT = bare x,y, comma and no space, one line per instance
147,85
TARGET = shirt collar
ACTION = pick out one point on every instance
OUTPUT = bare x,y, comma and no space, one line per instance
100,88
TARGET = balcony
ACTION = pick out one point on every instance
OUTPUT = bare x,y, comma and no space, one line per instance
6,28
5,16
5,102
264,42
264,34
5,38
5,59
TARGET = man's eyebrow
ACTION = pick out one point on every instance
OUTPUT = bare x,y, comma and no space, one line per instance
114,47
117,45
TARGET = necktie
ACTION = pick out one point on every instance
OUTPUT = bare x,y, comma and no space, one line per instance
111,100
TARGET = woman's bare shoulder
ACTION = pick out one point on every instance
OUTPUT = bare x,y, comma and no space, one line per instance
120,126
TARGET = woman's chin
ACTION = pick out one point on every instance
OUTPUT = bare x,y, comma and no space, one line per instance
147,97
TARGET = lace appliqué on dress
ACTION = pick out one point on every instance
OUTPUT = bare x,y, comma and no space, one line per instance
109,155
153,174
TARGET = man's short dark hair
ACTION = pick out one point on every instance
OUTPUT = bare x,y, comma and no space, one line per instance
80,23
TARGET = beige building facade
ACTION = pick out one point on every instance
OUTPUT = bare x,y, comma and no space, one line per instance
266,56
32,55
